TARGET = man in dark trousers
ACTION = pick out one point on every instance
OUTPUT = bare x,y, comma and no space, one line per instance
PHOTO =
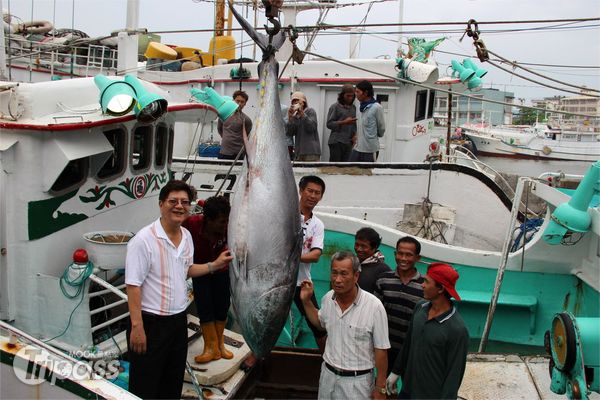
434,355
371,126
341,120
159,261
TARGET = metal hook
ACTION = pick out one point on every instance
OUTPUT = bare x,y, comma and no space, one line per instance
275,29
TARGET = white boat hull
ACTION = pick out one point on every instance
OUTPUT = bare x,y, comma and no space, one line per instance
536,148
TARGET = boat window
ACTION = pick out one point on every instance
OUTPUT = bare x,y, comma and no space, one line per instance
116,162
141,148
383,99
431,103
421,105
73,175
161,144
170,148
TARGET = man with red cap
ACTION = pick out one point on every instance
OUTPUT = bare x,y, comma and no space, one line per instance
434,356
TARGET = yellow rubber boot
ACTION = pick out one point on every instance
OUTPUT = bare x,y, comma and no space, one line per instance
220,326
211,344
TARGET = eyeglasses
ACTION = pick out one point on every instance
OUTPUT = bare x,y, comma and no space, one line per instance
174,202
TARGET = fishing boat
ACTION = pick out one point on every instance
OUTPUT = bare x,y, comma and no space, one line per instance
73,178
539,142
83,174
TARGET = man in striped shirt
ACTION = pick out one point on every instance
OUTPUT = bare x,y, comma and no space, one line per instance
399,291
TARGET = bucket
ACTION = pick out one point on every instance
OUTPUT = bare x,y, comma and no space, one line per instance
107,249
209,149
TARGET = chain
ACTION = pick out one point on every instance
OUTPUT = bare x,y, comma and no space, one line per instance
472,31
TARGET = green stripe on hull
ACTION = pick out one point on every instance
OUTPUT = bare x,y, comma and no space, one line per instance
527,303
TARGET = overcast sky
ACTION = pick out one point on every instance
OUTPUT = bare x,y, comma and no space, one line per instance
574,44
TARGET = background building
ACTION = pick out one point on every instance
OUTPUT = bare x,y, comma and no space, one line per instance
575,104
468,110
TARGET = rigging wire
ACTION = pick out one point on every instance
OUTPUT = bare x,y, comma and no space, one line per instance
395,78
515,64
540,83
397,24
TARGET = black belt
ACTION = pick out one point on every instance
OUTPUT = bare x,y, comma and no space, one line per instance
155,317
344,372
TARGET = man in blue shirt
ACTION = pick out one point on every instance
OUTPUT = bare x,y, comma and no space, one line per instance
371,127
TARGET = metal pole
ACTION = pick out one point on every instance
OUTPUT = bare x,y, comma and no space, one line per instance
449,124
3,74
503,261
108,286
400,20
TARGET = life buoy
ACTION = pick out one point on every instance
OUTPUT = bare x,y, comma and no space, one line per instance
37,26
546,150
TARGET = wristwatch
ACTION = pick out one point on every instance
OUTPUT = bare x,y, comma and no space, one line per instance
381,389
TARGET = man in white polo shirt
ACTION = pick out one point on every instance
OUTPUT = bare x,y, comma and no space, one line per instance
357,330
159,261
311,189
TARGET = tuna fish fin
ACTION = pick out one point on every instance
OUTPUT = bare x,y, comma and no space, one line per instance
241,270
294,256
250,148
244,268
261,39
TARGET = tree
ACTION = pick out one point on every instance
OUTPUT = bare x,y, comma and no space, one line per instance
526,116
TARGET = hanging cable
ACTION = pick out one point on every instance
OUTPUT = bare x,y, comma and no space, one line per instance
515,64
396,79
541,83
472,31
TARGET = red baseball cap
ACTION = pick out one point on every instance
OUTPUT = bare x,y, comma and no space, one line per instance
445,275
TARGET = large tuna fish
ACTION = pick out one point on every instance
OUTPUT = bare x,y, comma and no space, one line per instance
264,225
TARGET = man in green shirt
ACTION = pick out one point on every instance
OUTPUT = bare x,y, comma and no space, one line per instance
434,356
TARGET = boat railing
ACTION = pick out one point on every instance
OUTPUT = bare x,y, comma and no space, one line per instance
522,183
17,334
461,153
97,57
114,308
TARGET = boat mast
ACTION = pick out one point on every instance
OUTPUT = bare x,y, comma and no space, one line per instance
3,75
219,17
133,14
400,20
127,56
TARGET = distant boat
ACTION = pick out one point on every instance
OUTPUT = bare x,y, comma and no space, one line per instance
535,142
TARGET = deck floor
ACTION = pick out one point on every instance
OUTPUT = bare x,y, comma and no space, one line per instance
500,376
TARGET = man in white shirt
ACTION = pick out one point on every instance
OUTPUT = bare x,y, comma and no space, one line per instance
312,189
357,334
159,261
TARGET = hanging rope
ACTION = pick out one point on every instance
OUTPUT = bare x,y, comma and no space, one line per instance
74,277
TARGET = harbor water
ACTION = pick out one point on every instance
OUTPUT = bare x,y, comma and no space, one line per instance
533,168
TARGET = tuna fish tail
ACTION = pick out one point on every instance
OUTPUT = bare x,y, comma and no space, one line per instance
267,44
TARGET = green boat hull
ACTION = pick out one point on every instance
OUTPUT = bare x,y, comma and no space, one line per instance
526,306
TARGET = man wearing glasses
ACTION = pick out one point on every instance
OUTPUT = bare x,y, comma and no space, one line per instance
159,261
